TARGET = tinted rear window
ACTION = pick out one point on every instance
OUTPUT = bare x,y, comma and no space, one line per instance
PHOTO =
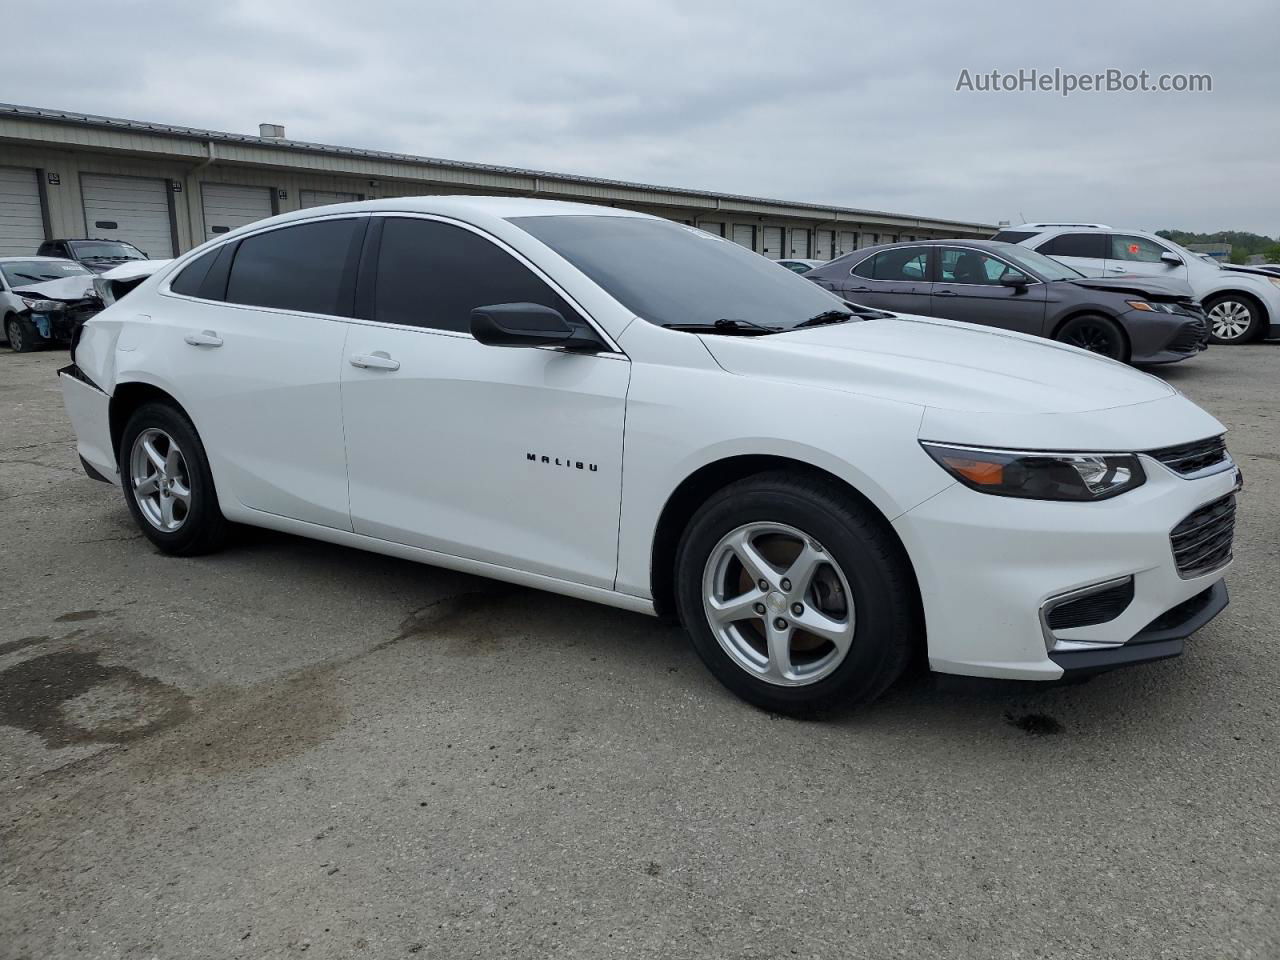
1014,236
300,268
1093,245
189,281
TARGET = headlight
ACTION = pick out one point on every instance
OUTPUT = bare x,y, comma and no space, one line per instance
1275,280
42,306
1040,476
1149,307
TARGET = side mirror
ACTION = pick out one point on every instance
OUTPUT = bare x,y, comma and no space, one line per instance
1171,258
1012,278
529,325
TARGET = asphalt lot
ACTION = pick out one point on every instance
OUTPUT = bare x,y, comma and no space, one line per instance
292,747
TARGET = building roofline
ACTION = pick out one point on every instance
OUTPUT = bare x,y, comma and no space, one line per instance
164,129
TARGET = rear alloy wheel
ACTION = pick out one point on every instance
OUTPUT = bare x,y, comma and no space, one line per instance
1097,334
167,482
1232,319
22,334
796,596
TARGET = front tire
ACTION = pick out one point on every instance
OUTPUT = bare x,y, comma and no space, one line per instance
1097,334
1233,319
796,597
167,482
22,334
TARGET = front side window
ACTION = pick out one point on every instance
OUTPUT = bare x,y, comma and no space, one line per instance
433,274
301,268
677,276
1090,245
1037,264
1139,249
958,265
20,273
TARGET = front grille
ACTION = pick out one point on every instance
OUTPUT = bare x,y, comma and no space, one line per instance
1202,542
1192,337
1092,609
1189,458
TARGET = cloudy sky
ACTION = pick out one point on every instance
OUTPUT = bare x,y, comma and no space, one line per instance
837,102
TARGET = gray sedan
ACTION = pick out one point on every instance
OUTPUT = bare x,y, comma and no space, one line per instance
1133,319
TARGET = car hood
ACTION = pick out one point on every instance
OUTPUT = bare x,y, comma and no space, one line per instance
133,269
64,288
1151,287
940,363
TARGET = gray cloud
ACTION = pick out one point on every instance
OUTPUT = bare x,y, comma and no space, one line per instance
829,102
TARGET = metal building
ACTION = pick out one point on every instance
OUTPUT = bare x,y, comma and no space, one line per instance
166,189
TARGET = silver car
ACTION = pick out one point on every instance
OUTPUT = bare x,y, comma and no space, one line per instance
43,299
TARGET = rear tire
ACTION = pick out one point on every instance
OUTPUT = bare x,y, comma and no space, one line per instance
1097,334
22,335
167,482
1233,318
853,583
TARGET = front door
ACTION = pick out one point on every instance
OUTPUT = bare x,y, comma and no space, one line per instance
510,456
968,288
1133,254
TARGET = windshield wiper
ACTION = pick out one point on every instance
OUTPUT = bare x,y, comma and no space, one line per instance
745,328
824,318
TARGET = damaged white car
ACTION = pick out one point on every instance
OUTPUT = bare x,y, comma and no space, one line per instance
44,299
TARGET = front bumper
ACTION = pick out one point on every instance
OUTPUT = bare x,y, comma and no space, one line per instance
1165,338
987,565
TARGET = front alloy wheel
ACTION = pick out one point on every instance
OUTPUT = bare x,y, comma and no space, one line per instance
778,604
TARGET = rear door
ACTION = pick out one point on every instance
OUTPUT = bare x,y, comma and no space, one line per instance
1128,253
256,335
968,288
895,279
510,456
1085,251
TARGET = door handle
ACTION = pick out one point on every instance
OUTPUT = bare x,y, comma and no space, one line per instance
945,293
206,338
378,360
858,289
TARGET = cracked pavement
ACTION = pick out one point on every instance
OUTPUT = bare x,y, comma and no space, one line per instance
293,748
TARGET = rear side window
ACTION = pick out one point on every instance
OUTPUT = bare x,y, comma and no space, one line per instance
433,274
911,263
304,268
190,280
1014,236
1092,245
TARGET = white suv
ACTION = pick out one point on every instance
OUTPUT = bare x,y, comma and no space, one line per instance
1241,306
626,410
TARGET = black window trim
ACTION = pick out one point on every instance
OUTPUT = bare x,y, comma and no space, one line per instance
938,248
348,280
369,265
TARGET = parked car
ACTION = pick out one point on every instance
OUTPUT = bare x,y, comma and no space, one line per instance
43,299
97,255
1133,319
817,491
799,266
1241,306
1021,232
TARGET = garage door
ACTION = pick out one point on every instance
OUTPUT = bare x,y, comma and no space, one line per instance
133,209
823,243
800,243
847,242
227,206
745,235
318,198
716,228
21,222
868,240
773,243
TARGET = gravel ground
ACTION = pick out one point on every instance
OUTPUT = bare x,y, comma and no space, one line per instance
292,747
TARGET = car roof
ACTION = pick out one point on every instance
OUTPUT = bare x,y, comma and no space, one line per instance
1045,225
995,246
468,206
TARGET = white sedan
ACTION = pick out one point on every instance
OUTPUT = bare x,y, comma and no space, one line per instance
623,409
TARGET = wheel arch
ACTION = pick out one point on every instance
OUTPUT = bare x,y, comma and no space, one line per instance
128,397
692,492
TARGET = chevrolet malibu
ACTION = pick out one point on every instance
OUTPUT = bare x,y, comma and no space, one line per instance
622,409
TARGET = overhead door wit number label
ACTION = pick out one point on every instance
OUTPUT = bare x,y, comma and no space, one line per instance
714,228
773,243
21,220
318,198
132,209
227,206
744,234
847,242
800,243
823,242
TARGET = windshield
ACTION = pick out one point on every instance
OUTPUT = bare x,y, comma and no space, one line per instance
675,275
1047,267
106,250
20,273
